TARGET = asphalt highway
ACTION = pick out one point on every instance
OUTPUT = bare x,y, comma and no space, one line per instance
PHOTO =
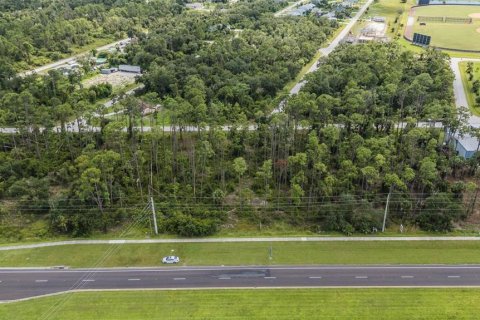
25,283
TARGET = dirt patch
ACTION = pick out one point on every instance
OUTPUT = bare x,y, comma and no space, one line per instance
474,16
116,79
478,30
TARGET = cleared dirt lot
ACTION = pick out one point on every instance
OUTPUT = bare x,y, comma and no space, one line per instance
116,79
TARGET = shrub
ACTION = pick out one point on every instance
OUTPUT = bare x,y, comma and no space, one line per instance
187,226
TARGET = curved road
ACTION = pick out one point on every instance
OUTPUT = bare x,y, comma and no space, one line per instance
27,283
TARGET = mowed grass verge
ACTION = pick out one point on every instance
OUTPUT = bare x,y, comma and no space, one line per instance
467,85
248,253
339,304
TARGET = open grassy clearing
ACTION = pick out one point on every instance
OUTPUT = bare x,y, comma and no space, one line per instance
339,304
467,85
391,10
450,35
249,253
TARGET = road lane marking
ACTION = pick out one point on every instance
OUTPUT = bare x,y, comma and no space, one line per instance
453,276
106,270
270,277
315,277
407,277
133,279
179,278
224,278
361,277
88,280
41,280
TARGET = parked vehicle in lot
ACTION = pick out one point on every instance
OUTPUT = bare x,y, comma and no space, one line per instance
171,259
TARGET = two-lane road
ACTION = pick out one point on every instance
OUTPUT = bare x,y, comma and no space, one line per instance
25,283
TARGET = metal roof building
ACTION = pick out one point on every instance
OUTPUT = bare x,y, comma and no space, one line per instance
466,145
129,68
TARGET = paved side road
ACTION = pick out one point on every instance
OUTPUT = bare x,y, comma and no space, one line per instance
286,9
335,42
459,91
23,284
220,240
70,59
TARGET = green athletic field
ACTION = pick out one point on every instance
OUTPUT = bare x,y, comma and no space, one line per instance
291,304
450,35
248,253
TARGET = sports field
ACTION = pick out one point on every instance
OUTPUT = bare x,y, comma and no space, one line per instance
454,35
324,304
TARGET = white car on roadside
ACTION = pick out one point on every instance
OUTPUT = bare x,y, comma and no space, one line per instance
171,259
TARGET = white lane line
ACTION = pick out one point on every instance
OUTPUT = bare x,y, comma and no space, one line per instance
41,280
453,276
270,277
133,279
361,277
179,278
224,278
88,280
2,271
407,277
315,277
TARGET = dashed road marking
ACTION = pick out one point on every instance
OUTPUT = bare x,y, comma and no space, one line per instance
453,276
41,280
407,277
179,278
133,279
315,277
270,277
224,278
88,280
361,277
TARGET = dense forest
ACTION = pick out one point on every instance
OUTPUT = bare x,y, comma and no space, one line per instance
37,32
355,136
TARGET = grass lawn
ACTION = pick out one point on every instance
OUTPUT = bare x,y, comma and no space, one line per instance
391,10
249,253
450,35
95,44
467,85
339,304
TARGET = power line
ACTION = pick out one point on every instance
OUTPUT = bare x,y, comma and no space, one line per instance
80,282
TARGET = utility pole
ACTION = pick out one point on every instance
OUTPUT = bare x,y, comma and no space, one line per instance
152,206
386,208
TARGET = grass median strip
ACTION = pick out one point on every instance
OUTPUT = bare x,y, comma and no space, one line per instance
339,304
248,253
